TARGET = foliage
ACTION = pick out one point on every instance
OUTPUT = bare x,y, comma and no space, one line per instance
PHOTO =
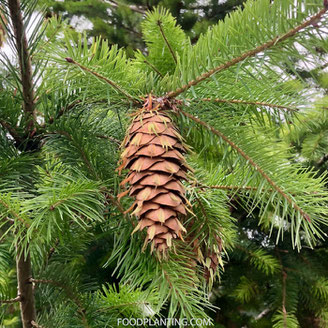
59,186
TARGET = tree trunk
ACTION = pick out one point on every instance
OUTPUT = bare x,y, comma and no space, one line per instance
25,288
23,261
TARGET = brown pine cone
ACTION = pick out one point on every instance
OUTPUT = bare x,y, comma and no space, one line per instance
154,156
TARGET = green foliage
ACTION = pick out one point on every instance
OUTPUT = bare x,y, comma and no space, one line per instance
120,21
58,184
284,320
245,290
170,39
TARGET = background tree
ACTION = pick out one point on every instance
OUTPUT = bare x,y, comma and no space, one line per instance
120,21
60,150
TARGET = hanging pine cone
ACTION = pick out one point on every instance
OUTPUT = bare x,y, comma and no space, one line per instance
212,261
153,155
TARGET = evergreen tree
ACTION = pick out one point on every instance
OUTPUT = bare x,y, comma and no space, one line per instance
119,21
65,109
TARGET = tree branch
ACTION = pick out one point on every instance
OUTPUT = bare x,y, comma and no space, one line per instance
35,325
69,292
245,102
250,161
82,152
153,67
226,187
248,54
13,300
136,9
63,110
24,63
11,130
160,25
16,216
118,142
103,78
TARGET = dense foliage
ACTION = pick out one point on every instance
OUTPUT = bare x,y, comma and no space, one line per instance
120,22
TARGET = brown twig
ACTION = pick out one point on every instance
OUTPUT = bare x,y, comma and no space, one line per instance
11,131
228,187
248,54
13,300
36,325
103,78
245,102
250,161
118,142
63,110
52,250
159,23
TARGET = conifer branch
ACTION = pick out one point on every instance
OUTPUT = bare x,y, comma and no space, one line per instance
103,78
25,65
69,293
118,142
13,300
159,23
248,54
250,161
245,102
16,216
63,110
82,153
228,187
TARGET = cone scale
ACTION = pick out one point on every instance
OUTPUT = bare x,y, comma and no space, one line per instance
153,154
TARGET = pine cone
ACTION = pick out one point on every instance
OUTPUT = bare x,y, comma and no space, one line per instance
212,261
153,155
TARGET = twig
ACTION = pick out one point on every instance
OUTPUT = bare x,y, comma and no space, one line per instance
153,67
6,206
227,187
245,102
24,63
249,160
35,325
117,204
11,131
262,314
64,110
82,152
52,250
284,278
159,23
248,54
323,160
108,81
136,9
118,142
13,300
